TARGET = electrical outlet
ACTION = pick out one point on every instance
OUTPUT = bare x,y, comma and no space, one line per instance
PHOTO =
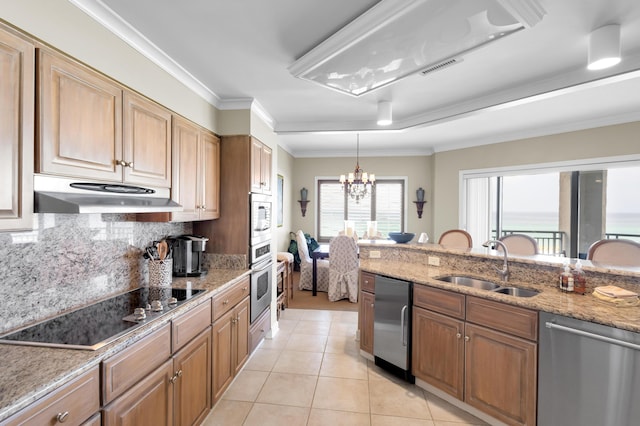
374,254
433,261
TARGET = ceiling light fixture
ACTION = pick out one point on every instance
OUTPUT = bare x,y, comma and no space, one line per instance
397,38
359,183
385,116
604,47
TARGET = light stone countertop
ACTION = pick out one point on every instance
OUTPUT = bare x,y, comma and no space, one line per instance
29,373
550,299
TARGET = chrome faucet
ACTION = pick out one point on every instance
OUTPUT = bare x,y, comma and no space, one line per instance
505,267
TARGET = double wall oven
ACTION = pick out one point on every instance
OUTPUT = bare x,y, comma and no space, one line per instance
260,253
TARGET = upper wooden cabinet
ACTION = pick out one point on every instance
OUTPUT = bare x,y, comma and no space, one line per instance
242,163
81,131
17,67
196,171
260,167
147,142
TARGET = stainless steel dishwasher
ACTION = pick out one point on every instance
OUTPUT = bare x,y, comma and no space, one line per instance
589,374
392,326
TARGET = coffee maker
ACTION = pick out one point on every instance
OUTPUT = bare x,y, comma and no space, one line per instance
188,252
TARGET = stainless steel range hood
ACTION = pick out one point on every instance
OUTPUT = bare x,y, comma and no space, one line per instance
65,195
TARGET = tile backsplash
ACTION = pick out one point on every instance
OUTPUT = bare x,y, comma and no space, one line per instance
69,260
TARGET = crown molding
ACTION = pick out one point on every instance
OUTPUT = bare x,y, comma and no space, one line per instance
104,15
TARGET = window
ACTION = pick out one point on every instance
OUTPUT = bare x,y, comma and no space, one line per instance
385,205
565,207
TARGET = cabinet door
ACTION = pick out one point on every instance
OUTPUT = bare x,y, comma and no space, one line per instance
209,176
438,351
17,68
500,375
365,319
80,126
184,189
241,323
192,391
147,142
256,165
148,403
223,363
265,169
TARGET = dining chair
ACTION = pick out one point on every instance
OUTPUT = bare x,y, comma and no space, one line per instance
618,252
520,244
456,239
343,269
306,267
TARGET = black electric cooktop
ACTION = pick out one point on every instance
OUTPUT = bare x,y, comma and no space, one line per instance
94,326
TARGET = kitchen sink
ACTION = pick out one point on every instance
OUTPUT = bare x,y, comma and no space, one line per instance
487,285
469,282
517,292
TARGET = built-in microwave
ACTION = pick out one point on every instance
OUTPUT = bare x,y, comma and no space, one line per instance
261,208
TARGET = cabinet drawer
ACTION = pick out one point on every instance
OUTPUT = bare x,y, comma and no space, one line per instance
510,319
79,399
126,368
442,301
259,329
223,302
367,282
189,325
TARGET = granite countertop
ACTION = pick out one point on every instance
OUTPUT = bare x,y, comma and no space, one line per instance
29,373
550,299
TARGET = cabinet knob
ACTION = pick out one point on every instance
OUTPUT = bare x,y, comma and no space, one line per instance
173,379
129,164
203,207
372,305
226,302
458,335
179,373
245,288
62,417
466,338
121,163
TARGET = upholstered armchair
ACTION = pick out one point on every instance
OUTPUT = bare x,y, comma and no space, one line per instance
306,267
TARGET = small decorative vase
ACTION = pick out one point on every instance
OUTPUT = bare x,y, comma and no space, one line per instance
303,194
420,194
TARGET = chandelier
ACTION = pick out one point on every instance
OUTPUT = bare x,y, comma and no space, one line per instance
359,183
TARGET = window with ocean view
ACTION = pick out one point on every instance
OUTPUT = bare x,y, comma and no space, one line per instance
565,210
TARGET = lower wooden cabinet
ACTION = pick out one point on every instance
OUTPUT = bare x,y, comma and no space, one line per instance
500,375
74,403
366,310
230,346
480,351
147,385
148,403
438,351
192,381
365,321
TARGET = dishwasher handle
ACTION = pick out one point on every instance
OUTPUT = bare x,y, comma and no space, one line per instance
403,313
593,336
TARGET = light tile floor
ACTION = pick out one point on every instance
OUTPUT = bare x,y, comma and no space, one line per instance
311,374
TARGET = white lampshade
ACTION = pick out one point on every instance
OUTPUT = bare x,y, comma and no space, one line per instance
385,117
604,47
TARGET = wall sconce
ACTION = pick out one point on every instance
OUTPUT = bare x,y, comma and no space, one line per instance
303,201
420,202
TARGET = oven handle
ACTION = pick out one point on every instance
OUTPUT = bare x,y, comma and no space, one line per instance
259,267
